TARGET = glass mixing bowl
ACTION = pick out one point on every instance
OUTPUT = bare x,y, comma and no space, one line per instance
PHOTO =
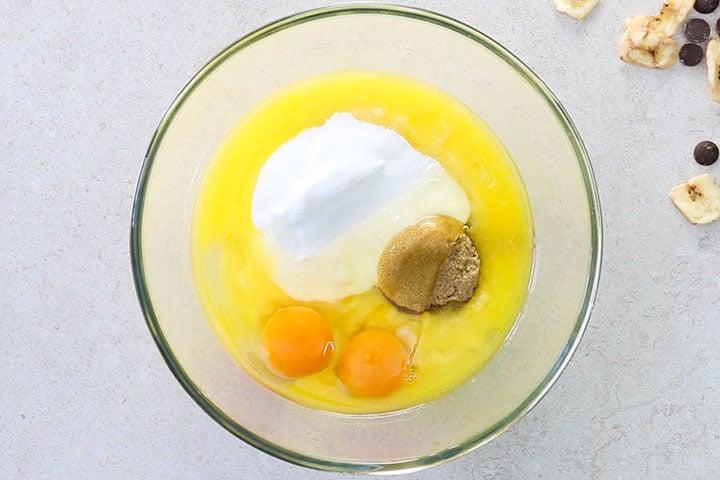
523,113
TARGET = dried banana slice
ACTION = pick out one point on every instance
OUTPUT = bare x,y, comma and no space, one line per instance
698,200
578,9
648,42
648,48
713,64
671,16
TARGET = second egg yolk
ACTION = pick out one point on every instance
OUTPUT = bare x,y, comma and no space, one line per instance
373,364
298,341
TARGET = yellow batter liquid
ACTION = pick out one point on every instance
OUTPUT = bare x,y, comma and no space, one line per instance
231,268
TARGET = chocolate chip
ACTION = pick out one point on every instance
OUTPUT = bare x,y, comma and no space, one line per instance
717,26
691,54
697,30
706,6
706,153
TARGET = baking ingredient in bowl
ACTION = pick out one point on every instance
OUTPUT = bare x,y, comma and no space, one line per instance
578,9
234,272
706,153
458,275
328,200
713,66
373,364
298,341
698,199
648,41
429,264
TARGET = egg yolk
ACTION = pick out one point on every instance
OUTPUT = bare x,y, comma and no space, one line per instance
373,364
298,341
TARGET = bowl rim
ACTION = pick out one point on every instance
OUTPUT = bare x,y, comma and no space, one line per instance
447,454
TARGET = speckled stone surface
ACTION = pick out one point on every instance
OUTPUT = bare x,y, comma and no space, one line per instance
85,392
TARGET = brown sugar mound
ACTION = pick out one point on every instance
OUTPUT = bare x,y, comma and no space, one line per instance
458,276
429,264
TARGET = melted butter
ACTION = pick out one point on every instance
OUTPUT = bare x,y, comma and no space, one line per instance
233,268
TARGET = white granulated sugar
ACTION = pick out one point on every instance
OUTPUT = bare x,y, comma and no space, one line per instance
329,200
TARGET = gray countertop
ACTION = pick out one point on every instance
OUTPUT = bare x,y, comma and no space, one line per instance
85,392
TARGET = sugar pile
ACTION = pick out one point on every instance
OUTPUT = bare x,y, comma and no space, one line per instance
328,201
